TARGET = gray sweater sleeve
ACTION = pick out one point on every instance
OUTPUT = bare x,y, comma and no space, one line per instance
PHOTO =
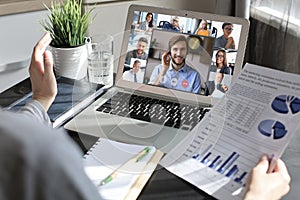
35,109
38,162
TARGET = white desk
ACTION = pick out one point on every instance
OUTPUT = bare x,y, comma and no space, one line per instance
291,155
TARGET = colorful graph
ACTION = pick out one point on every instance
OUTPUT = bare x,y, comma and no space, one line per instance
272,128
228,167
285,103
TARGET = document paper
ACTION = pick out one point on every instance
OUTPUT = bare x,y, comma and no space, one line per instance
259,114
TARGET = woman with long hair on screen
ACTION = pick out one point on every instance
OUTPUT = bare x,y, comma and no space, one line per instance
202,28
148,23
221,63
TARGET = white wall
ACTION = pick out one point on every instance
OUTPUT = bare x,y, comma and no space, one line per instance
19,33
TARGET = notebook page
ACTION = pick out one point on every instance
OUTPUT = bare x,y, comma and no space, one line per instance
105,157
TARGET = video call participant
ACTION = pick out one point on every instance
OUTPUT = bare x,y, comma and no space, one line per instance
135,74
173,26
38,169
221,63
226,40
220,68
148,23
173,72
202,29
139,52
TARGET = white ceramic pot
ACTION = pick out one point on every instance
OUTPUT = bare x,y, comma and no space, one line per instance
70,62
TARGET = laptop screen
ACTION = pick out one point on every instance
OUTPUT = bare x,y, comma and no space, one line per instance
183,51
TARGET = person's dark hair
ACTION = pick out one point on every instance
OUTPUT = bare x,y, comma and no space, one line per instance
224,56
136,61
143,39
177,38
226,24
151,22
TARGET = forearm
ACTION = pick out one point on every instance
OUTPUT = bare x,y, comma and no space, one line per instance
36,110
46,102
160,78
227,46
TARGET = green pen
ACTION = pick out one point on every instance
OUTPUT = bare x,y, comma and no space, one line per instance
136,158
145,152
109,178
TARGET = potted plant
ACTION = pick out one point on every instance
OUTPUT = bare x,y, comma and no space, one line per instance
68,25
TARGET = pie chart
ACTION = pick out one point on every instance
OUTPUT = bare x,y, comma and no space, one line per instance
286,103
272,128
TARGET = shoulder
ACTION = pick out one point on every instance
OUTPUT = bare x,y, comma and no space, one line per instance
142,25
157,69
213,68
192,72
144,56
126,73
190,69
221,38
139,73
225,70
166,25
218,41
129,53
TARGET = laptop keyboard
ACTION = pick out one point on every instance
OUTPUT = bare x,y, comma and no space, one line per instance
153,110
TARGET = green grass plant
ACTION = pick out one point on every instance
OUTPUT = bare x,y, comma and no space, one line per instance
67,23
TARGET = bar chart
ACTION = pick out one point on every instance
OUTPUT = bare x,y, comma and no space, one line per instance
221,164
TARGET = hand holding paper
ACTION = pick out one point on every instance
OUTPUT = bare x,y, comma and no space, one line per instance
258,115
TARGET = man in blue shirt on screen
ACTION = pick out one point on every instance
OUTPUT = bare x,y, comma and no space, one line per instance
174,73
173,26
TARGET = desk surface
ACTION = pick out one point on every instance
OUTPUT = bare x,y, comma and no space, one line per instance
161,185
164,185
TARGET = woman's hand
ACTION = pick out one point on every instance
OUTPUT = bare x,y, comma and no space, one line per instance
44,88
267,186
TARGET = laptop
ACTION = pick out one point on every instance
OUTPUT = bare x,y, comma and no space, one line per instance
175,91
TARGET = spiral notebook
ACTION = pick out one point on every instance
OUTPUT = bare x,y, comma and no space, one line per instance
108,156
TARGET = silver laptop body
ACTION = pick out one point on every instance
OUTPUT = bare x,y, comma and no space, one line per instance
201,56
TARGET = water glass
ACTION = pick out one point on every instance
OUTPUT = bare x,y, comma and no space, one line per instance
100,59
